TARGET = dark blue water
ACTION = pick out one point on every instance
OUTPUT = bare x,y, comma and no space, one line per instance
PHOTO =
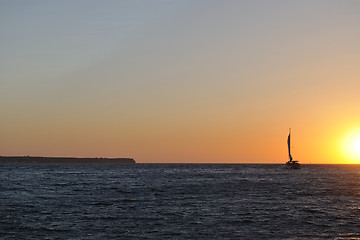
170,201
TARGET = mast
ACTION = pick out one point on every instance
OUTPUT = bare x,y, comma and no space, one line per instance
288,143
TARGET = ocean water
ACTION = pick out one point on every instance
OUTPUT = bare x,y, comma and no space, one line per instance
179,201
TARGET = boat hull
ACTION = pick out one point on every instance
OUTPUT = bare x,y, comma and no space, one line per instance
292,165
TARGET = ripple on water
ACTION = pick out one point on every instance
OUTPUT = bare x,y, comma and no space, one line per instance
179,202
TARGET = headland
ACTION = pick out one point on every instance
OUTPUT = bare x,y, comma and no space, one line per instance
30,159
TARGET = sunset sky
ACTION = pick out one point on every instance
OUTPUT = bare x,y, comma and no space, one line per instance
181,81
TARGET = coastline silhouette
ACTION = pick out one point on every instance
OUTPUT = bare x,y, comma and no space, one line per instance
30,159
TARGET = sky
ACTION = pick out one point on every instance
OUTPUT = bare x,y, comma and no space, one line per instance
167,81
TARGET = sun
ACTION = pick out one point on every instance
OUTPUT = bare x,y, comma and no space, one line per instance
351,146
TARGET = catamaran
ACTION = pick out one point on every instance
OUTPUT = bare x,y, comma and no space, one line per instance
291,164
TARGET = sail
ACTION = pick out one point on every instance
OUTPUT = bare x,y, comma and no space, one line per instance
288,142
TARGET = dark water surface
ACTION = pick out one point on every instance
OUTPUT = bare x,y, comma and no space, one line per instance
179,201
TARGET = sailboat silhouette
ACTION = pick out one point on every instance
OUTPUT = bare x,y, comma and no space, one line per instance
291,164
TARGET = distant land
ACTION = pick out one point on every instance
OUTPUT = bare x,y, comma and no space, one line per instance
29,159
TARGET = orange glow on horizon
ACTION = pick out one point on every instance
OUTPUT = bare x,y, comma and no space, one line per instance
218,85
350,146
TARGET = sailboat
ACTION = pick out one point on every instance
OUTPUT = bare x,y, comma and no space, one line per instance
291,164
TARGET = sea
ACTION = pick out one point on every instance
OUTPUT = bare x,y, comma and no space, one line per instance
179,201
